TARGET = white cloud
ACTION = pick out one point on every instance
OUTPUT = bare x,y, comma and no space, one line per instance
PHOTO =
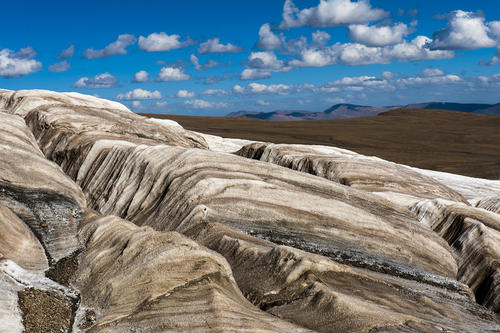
166,74
320,38
59,67
426,80
386,75
104,80
268,40
117,47
359,54
254,74
279,89
215,79
214,46
464,31
261,64
67,53
210,63
172,74
185,94
378,36
25,53
141,76
494,27
139,94
202,104
330,13
161,42
430,72
494,61
215,92
19,63
263,103
161,104
137,104
359,80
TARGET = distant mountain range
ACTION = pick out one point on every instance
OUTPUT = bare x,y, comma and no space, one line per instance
343,111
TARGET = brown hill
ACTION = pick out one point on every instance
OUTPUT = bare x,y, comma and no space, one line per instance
457,142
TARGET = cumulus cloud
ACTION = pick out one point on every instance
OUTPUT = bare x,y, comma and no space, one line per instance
279,89
210,63
271,41
139,94
261,64
493,61
320,38
386,75
59,67
364,80
117,47
67,53
430,72
16,64
213,79
215,92
141,76
185,94
330,13
263,103
214,46
494,27
268,40
359,54
464,31
437,79
25,53
104,80
202,104
166,74
378,35
161,42
172,74
254,74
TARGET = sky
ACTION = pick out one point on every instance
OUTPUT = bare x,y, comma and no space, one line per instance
215,57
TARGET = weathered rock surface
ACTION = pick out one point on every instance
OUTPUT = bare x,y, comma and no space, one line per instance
474,235
65,116
37,190
473,189
130,274
348,168
18,243
220,242
490,203
234,205
173,188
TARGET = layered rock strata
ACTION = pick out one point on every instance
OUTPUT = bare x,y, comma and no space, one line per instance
474,235
138,279
349,168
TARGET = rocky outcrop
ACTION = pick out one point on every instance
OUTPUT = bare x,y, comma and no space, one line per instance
128,275
37,190
187,237
349,168
247,210
66,116
474,235
490,203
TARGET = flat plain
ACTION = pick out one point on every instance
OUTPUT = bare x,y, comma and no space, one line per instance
442,140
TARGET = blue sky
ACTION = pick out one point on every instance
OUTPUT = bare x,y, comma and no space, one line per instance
215,57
